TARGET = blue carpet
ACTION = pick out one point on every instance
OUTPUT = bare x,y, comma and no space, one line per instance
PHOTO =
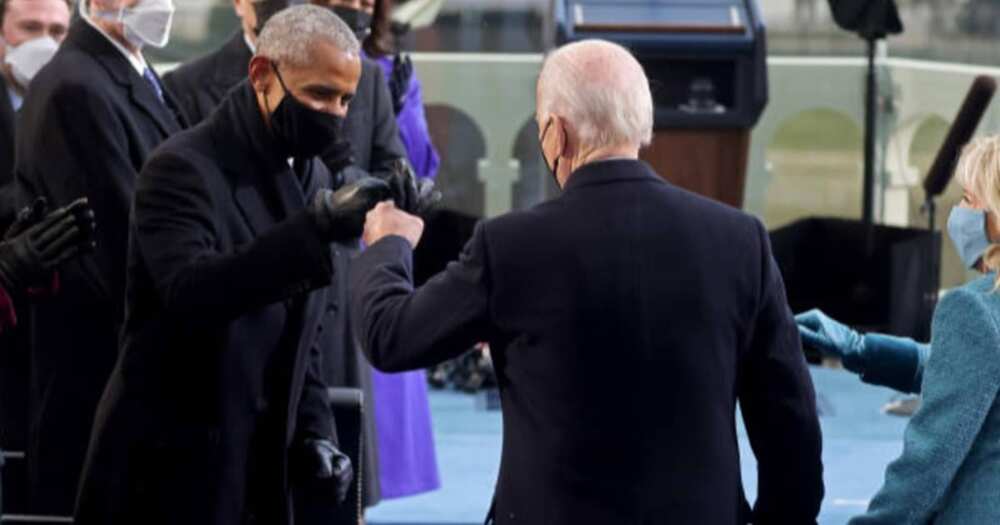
858,442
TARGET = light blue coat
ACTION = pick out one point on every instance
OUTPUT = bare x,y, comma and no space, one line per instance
949,471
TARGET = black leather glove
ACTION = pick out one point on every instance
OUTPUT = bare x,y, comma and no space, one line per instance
326,467
399,81
411,194
340,215
33,248
27,217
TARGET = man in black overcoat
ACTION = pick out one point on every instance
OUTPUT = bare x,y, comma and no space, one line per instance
371,145
88,123
626,317
216,407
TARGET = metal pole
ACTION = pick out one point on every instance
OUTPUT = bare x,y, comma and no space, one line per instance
871,113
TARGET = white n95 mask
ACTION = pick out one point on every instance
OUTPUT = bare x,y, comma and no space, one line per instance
26,59
147,23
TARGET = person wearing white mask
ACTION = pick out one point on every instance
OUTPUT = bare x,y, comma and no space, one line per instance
30,33
92,116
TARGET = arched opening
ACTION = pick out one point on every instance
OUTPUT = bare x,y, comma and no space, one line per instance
815,162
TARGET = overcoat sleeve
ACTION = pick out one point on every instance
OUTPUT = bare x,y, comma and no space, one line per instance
960,386
176,231
779,407
405,329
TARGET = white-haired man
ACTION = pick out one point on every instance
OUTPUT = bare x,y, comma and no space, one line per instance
215,408
627,317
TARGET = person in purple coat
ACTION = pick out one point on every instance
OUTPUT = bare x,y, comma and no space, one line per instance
407,460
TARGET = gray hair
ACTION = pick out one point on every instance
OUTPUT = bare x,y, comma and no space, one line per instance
601,90
289,36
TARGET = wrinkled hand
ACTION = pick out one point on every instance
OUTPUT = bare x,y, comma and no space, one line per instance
829,337
32,249
340,215
386,219
399,81
328,466
410,193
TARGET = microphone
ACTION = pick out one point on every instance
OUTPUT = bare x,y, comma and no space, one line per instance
969,116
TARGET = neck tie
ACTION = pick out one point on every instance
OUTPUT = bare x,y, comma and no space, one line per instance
148,74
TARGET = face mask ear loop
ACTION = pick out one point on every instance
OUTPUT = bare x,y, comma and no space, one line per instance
555,163
280,80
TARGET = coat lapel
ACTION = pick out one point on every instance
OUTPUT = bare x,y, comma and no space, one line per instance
232,66
143,95
141,92
266,188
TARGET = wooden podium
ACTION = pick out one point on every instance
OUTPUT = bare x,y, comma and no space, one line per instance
710,162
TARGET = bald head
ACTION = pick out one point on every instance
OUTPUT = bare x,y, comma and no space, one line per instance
601,91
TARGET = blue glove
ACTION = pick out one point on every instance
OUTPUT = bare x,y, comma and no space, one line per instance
831,338
884,360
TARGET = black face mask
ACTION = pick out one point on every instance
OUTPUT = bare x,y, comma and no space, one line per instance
359,21
303,132
265,10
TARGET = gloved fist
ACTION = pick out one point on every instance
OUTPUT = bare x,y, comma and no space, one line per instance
340,215
37,244
830,337
411,194
327,467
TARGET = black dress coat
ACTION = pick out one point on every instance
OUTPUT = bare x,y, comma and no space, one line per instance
218,376
626,319
201,84
8,195
87,125
371,129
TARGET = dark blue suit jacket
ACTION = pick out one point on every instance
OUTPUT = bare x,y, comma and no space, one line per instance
627,318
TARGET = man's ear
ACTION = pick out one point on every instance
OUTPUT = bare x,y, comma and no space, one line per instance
261,74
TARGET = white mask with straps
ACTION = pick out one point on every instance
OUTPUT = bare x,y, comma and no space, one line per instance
147,23
26,59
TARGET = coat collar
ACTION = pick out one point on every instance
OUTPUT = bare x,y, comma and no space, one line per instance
265,187
611,171
232,64
84,37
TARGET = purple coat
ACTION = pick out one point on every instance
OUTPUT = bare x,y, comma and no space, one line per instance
407,461
413,126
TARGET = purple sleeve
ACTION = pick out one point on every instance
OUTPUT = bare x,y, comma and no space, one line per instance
413,130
